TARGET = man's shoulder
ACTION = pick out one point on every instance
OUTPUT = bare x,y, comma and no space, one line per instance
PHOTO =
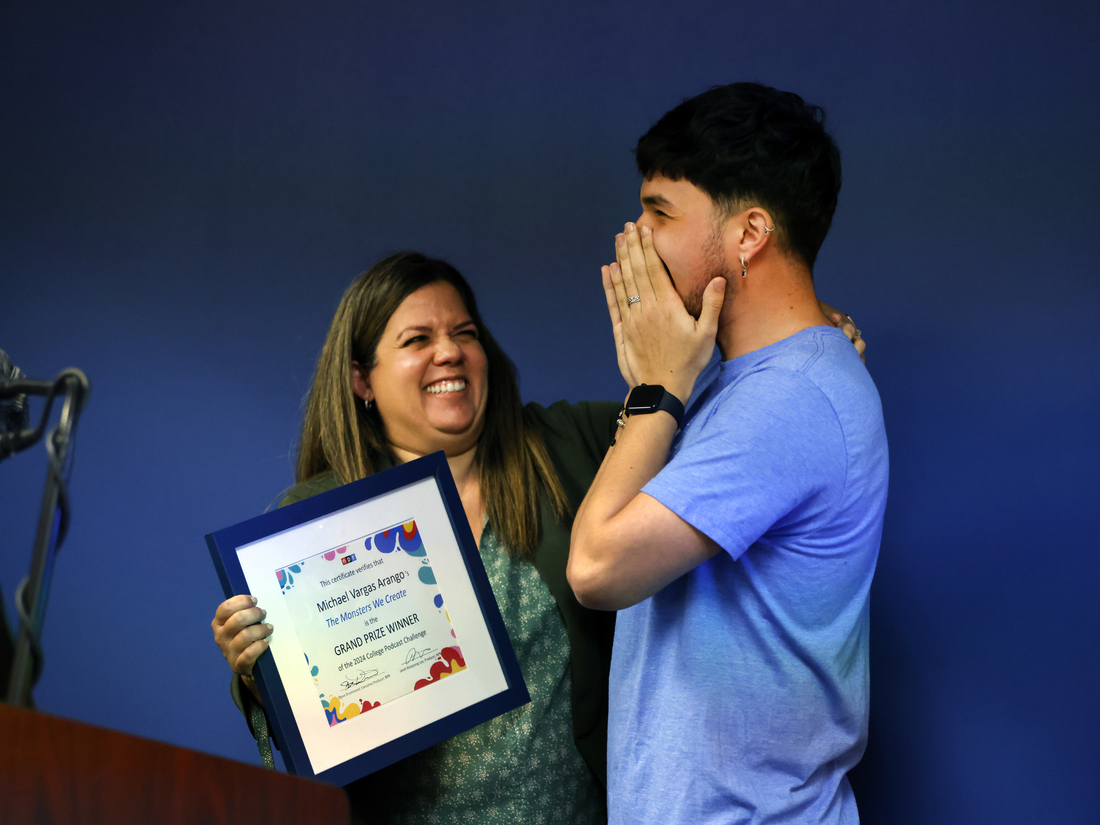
771,395
815,367
814,352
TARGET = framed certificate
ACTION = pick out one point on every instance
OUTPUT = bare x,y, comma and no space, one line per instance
387,636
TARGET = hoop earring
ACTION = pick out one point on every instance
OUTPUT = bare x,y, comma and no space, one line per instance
366,404
768,230
744,267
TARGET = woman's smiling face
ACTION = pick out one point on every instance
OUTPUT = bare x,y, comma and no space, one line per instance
430,379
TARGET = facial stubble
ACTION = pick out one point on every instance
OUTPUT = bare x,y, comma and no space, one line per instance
714,266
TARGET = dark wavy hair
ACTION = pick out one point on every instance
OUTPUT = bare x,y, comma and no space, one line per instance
339,436
746,144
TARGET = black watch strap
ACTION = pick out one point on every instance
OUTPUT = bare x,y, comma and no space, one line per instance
649,398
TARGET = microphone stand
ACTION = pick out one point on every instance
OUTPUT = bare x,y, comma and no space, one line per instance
53,519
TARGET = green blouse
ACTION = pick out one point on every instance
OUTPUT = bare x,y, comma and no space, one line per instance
523,765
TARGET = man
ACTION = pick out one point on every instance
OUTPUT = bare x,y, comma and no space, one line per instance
742,567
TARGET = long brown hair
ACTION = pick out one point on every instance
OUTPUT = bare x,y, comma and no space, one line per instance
341,437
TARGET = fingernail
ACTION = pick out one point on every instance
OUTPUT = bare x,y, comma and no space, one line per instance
620,239
253,599
630,227
646,231
263,614
270,629
615,267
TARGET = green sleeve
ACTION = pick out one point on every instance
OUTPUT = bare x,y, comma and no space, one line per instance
577,436
319,484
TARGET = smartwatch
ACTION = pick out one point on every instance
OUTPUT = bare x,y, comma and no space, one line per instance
649,398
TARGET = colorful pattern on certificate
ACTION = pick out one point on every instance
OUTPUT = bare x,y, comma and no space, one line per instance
371,621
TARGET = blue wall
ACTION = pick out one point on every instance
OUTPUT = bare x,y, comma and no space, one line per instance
186,189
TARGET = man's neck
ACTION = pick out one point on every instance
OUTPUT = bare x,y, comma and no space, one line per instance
775,301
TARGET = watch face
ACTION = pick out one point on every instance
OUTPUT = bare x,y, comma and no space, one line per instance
644,398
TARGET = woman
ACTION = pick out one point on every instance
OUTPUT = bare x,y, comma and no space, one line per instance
408,368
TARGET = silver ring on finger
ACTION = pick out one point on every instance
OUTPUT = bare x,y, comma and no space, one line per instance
633,299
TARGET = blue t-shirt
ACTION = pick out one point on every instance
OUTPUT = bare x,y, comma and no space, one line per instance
739,692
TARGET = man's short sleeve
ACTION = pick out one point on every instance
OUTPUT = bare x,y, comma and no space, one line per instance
764,460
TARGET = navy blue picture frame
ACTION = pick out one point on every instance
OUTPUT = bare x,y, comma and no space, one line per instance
223,546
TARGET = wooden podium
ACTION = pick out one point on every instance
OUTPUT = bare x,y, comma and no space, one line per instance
54,770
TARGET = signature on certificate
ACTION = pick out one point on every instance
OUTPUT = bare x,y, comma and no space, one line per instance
417,655
359,678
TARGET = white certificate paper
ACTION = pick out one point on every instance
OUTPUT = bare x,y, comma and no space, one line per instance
387,638
371,621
